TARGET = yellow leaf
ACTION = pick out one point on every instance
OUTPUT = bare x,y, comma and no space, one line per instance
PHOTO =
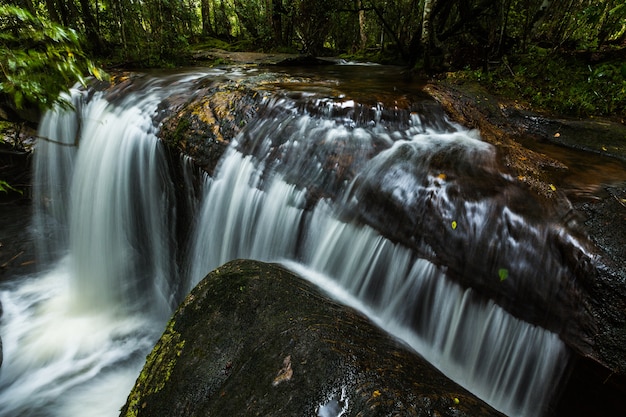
604,148
442,176
453,224
456,400
557,135
552,187
376,394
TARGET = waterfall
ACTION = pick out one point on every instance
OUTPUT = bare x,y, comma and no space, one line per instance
75,335
291,188
250,210
104,197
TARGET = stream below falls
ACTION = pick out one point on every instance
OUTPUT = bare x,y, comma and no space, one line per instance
328,179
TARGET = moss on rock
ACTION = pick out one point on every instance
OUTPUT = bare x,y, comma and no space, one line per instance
204,125
254,339
158,369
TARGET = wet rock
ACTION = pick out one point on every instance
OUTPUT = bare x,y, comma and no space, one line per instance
473,107
220,56
597,292
304,61
203,125
254,339
453,207
598,280
17,250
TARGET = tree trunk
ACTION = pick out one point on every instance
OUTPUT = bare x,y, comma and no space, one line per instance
205,11
276,11
52,11
69,13
540,14
121,24
505,10
362,25
427,31
222,24
91,26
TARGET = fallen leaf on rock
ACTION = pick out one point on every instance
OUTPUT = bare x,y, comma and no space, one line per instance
285,373
503,273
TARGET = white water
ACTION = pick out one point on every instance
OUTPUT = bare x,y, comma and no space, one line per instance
55,355
511,364
76,336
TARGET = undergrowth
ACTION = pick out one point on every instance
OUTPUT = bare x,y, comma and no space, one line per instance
566,84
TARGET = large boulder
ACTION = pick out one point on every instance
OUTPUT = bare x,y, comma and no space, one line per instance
589,154
255,339
596,298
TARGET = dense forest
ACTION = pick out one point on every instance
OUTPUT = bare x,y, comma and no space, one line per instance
563,55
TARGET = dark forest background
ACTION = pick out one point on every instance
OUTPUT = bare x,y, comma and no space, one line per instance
567,56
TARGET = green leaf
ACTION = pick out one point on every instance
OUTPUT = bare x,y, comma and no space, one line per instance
503,273
39,59
19,99
5,187
616,9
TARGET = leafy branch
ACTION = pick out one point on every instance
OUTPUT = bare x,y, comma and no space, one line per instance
39,60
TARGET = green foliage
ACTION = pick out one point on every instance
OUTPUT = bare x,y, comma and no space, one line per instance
38,59
312,20
212,43
503,273
5,187
560,83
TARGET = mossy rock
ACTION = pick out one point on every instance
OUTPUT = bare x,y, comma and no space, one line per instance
254,339
203,126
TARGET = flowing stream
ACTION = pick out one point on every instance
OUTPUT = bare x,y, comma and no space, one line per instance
76,334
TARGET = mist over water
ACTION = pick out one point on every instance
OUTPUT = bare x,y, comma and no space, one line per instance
64,362
288,190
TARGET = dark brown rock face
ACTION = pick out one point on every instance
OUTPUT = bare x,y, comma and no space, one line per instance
573,286
202,126
597,329
254,339
597,293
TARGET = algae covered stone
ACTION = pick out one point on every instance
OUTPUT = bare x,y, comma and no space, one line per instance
254,339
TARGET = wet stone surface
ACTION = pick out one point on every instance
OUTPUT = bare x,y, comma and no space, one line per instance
254,339
587,189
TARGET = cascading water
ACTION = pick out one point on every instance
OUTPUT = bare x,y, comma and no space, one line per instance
509,363
290,189
75,336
